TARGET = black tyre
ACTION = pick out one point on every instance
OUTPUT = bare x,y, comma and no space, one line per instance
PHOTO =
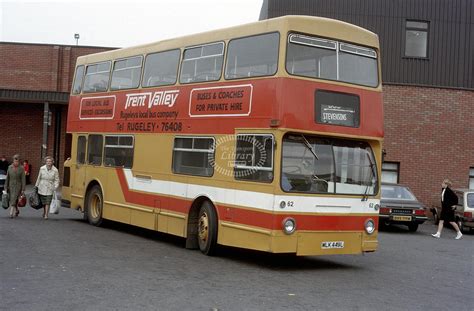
207,229
412,227
94,206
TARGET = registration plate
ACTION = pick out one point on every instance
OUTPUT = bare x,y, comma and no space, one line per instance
332,244
402,218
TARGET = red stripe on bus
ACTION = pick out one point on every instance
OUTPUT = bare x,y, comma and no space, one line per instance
254,218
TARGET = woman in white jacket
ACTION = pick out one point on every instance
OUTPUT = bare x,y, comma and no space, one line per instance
47,183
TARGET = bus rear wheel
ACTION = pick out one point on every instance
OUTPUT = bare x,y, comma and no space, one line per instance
94,206
207,229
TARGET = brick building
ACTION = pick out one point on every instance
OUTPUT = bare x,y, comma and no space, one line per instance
35,80
428,84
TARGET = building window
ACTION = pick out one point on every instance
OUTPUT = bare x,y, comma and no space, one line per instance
471,178
416,39
193,156
390,172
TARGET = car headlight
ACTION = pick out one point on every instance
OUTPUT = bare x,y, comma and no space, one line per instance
289,225
369,226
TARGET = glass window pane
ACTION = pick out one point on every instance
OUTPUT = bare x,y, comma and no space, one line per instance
197,67
254,158
389,177
126,74
161,68
94,150
419,25
389,166
116,154
324,165
97,78
358,69
77,86
193,156
252,56
81,150
416,43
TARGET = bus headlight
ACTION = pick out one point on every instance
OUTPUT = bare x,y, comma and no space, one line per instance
289,225
369,226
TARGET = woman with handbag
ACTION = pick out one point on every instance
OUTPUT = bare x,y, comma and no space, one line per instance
47,183
15,184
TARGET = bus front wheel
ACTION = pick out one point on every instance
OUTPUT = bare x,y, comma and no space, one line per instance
207,229
94,206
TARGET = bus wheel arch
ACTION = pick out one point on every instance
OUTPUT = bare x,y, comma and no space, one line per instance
94,204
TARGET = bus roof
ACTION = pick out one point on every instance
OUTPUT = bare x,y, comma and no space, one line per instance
329,28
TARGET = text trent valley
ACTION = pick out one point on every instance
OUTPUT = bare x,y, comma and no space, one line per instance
161,98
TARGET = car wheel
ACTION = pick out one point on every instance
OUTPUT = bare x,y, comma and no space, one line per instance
207,229
94,206
412,227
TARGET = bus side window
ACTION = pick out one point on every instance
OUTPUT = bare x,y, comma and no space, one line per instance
118,151
78,77
254,56
202,63
161,68
81,150
254,158
126,73
94,150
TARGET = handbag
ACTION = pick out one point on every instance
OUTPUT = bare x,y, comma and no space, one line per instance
55,204
34,199
5,200
21,201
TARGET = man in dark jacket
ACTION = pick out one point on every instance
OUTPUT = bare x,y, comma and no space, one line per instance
449,200
3,164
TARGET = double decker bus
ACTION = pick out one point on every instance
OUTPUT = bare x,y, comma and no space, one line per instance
265,136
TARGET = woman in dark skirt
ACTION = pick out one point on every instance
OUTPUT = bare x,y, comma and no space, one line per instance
449,200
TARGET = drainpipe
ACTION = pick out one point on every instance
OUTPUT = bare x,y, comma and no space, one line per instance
44,146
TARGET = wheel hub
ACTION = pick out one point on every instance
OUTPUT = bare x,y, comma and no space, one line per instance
203,227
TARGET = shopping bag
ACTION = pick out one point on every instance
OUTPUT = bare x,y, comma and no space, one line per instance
34,199
55,204
5,200
21,200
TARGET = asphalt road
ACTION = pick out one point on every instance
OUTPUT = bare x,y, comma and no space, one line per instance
65,264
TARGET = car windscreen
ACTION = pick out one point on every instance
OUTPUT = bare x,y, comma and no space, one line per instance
470,200
397,193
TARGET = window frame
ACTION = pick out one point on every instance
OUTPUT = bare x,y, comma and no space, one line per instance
336,46
85,150
182,60
108,81
178,67
256,168
471,177
413,28
117,147
112,71
397,170
89,148
207,151
75,79
251,36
